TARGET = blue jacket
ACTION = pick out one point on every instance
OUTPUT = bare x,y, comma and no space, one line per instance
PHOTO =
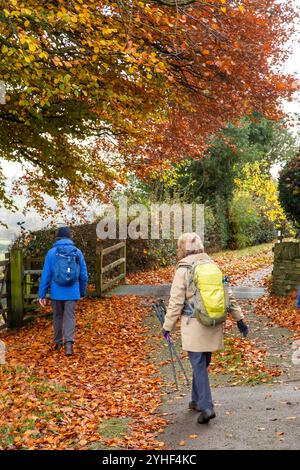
298,298
57,292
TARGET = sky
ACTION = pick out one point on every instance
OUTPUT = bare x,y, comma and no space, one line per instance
32,219
293,65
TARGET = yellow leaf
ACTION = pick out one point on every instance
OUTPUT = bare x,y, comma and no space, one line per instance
242,8
206,52
32,47
223,9
83,442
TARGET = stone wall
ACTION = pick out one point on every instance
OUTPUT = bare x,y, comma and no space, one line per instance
286,271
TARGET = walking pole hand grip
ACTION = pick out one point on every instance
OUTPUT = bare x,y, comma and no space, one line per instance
167,336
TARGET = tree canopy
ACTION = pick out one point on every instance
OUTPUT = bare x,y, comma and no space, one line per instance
255,140
289,189
143,80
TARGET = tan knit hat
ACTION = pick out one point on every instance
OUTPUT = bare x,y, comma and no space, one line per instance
190,242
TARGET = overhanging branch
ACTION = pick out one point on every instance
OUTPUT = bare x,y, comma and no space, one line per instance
174,3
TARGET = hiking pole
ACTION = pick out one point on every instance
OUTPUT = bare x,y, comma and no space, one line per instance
160,310
180,364
160,315
172,361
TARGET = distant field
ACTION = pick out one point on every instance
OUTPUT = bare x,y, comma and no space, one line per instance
4,245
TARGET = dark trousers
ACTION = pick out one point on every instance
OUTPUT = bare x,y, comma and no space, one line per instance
63,320
201,393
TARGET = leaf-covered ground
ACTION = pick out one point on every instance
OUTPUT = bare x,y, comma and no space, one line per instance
281,310
109,393
242,362
49,401
236,264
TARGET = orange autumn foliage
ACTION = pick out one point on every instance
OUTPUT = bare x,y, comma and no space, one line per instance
148,81
67,398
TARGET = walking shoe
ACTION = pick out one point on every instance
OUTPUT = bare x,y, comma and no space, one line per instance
58,346
193,406
206,415
69,348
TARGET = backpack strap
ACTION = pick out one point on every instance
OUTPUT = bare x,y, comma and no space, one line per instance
188,308
76,252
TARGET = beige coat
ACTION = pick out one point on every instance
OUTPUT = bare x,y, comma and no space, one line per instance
195,336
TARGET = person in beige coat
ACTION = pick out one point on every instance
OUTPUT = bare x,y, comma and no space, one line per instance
198,340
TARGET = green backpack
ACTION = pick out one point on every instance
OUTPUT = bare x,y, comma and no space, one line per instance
210,300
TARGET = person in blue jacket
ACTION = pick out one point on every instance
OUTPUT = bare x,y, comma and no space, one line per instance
65,273
298,298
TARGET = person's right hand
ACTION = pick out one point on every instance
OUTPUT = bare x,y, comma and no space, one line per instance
43,302
243,328
166,335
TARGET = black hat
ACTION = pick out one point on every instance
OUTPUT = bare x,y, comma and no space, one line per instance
63,232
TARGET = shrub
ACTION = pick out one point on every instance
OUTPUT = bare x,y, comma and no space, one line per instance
216,225
244,220
266,231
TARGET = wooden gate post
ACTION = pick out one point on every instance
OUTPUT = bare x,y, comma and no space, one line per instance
123,254
27,286
16,288
98,273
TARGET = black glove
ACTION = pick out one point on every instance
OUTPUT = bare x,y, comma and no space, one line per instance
243,328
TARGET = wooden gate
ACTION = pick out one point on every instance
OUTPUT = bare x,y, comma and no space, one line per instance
104,269
19,280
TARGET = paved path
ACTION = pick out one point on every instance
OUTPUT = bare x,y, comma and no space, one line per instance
249,418
163,291
260,417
